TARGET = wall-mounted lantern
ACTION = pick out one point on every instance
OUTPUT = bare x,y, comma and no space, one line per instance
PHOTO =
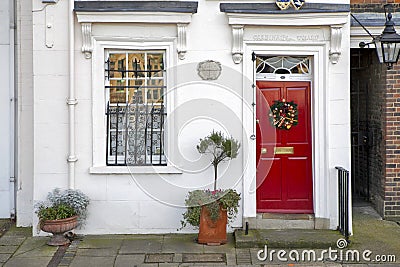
387,44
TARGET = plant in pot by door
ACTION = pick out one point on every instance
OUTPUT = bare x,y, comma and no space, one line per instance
62,211
210,210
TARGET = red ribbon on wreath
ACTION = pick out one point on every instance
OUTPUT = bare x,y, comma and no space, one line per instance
283,115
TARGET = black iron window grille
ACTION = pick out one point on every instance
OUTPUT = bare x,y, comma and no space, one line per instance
135,110
135,134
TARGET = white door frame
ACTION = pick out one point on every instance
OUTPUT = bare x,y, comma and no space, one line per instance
318,117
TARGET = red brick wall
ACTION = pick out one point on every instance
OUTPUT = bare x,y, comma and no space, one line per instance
374,1
392,143
358,6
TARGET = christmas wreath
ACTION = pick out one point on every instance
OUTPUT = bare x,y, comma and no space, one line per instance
283,114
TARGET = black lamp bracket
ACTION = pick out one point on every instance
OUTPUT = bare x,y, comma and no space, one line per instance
365,29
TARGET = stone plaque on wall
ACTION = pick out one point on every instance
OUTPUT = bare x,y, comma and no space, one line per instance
209,70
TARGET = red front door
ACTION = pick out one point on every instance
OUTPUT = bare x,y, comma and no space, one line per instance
284,157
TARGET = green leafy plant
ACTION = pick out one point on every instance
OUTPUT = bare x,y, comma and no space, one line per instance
227,199
62,204
221,149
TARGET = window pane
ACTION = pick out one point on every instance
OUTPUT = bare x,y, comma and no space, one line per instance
117,91
136,91
155,91
136,65
155,64
117,65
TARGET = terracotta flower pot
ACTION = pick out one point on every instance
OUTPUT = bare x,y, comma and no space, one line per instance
212,232
58,228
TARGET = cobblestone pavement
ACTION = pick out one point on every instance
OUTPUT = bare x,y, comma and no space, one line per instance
18,248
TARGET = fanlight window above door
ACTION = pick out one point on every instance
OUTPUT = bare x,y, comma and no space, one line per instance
283,65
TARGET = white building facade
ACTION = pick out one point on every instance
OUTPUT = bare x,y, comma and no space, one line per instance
123,91
7,25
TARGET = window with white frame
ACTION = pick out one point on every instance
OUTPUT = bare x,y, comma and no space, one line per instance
135,84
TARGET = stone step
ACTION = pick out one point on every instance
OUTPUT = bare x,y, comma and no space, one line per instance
287,238
282,221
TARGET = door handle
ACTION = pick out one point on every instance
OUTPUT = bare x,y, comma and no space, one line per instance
264,150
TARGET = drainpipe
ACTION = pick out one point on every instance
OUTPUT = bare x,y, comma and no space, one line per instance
13,107
71,101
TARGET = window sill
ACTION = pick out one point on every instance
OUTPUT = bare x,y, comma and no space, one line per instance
134,170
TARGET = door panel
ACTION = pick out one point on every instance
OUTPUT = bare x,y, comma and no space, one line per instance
284,181
297,180
273,182
299,133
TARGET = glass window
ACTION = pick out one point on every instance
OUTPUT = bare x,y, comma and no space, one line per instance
135,86
283,65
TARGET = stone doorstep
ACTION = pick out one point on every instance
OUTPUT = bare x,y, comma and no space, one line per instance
280,216
288,238
282,221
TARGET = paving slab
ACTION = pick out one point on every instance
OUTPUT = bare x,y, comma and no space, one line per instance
177,257
35,247
225,248
11,240
129,260
140,245
384,265
4,257
169,265
288,238
19,231
243,256
230,258
181,244
65,261
100,242
97,252
209,264
306,257
353,265
8,249
80,261
27,261
372,233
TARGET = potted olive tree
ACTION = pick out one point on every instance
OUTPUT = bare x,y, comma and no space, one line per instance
62,211
210,210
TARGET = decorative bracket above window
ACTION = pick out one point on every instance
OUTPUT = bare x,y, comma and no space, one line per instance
149,12
181,46
87,44
336,43
237,44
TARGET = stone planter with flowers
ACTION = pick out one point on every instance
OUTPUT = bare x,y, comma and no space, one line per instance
62,211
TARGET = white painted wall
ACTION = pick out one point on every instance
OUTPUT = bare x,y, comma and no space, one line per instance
6,108
24,72
133,201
